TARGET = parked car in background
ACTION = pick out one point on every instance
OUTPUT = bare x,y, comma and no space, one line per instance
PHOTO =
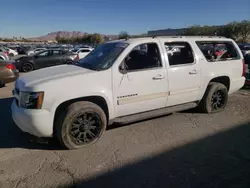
8,72
247,59
45,58
4,55
116,83
11,52
247,62
22,50
245,48
82,52
31,52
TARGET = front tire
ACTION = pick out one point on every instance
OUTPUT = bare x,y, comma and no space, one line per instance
80,125
215,98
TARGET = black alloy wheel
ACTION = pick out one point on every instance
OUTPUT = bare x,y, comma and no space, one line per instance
81,124
27,67
86,128
218,100
215,98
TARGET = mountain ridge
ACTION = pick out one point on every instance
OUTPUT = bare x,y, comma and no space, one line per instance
65,34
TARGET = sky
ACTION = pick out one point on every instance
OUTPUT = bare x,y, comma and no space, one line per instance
31,18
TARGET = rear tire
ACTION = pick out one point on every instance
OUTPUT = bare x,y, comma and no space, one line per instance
1,84
80,125
27,67
69,62
215,98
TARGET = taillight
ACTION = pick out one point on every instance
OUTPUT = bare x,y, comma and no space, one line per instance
6,53
244,68
11,66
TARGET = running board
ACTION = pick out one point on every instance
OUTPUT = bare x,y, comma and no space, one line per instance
154,113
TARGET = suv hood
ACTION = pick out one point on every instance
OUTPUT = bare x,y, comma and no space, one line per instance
33,79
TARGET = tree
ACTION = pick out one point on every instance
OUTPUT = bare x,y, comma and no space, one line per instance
230,30
58,38
201,30
244,30
239,31
86,39
123,35
96,39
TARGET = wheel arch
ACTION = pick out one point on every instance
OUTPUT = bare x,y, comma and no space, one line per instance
98,100
225,80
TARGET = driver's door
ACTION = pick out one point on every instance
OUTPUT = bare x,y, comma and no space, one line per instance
56,58
144,86
43,59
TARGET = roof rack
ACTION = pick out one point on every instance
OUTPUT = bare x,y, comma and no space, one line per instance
174,36
184,36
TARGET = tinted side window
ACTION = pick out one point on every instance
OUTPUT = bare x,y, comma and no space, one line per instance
56,52
179,53
218,50
85,51
43,54
144,56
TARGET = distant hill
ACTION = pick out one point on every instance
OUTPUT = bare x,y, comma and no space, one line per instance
65,34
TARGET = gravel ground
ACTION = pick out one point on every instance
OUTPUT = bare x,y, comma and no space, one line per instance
180,150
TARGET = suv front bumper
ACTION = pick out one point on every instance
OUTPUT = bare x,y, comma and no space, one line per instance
36,122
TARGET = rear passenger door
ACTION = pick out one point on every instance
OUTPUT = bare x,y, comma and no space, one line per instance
42,59
56,58
184,73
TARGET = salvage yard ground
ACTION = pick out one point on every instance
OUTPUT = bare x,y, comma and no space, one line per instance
180,150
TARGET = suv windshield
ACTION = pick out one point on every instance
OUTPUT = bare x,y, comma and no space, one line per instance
103,56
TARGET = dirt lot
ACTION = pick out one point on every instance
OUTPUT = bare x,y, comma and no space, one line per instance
179,150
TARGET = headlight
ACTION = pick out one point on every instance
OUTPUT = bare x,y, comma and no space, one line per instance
31,100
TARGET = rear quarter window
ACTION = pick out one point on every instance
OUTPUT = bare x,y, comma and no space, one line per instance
218,50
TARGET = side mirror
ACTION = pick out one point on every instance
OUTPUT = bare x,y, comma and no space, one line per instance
123,68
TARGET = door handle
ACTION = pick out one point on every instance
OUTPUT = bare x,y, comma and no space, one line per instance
158,77
193,72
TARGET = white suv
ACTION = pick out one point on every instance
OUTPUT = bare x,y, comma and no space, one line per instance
124,81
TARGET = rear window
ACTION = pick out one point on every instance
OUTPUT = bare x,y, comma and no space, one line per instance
218,50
